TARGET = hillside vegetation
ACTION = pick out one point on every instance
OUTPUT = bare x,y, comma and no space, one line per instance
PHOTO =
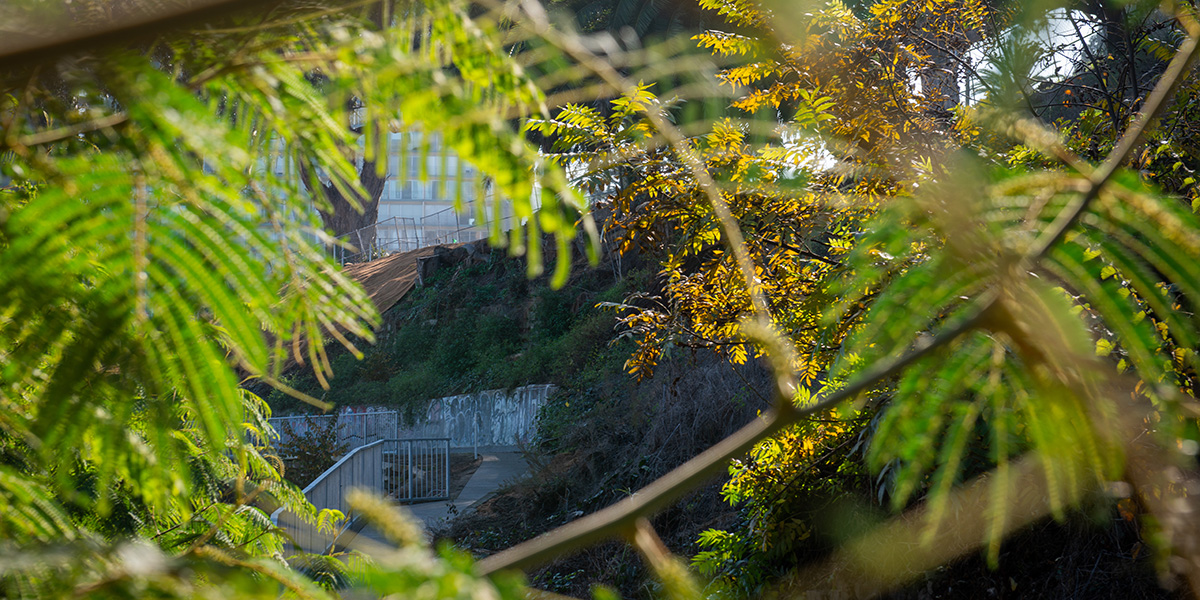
480,325
605,433
916,312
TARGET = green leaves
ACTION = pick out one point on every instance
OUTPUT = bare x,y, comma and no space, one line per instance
462,86
1028,379
159,248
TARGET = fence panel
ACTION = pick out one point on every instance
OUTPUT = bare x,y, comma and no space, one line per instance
417,469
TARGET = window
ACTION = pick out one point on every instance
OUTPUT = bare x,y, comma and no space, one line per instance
412,190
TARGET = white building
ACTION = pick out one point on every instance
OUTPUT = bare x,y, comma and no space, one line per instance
416,207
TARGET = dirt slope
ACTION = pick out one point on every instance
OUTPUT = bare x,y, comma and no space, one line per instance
388,279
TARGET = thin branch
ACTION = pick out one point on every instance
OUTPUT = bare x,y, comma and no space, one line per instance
962,62
1096,70
1068,84
128,31
62,133
620,517
1155,104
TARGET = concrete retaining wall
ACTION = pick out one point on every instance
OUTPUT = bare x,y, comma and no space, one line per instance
489,418
492,418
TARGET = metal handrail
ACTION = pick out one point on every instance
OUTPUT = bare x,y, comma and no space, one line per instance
337,465
418,239
364,471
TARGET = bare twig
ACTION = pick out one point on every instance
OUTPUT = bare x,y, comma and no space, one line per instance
1155,104
62,133
609,522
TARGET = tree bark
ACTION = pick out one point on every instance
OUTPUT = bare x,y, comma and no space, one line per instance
345,218
352,219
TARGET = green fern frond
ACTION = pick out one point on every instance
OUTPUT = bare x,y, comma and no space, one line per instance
1106,288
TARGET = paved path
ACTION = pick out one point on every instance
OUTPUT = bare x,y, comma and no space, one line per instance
497,469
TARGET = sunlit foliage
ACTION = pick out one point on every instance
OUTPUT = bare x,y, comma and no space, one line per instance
658,207
881,220
895,268
159,250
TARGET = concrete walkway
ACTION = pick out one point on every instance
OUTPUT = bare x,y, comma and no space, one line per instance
497,469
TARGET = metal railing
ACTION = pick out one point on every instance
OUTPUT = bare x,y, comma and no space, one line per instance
401,234
353,429
417,469
362,467
447,227
410,470
397,234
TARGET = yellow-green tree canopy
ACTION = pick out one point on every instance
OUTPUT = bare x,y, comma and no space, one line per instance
937,269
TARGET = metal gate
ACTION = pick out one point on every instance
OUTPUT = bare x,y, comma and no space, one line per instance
416,469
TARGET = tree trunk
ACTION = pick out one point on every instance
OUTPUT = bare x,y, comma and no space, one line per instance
940,80
345,218
355,226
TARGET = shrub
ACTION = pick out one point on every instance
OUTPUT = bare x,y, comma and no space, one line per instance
552,313
310,452
453,355
496,337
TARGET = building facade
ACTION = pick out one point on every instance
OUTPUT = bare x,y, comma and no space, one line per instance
422,187
416,207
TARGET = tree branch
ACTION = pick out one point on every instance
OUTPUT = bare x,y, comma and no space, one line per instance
62,133
19,55
613,520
